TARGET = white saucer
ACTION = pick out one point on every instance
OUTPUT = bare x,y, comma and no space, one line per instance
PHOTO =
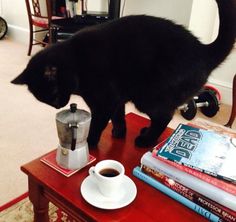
91,194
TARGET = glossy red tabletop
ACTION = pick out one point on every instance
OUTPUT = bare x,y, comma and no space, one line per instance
149,204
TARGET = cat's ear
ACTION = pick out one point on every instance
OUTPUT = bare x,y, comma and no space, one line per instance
50,73
21,79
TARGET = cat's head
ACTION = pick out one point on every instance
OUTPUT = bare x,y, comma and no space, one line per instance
47,79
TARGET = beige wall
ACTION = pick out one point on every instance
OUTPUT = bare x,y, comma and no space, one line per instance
14,11
202,20
177,10
222,77
204,23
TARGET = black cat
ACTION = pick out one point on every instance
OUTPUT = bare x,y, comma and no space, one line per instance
149,61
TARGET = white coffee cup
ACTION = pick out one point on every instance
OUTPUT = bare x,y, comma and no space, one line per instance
108,175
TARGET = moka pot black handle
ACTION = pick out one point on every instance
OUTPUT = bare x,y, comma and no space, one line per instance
74,129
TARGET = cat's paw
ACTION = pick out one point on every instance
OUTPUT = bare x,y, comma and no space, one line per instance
119,133
144,130
144,142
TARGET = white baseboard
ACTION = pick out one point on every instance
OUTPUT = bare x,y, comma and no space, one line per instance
18,34
225,89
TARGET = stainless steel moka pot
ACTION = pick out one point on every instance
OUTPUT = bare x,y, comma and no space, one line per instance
73,128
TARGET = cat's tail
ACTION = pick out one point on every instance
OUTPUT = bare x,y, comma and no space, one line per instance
218,50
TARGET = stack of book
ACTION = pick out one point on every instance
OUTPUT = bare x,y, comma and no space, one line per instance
196,167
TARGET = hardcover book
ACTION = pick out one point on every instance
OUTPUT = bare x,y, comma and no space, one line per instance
222,184
50,160
225,213
203,150
208,190
171,193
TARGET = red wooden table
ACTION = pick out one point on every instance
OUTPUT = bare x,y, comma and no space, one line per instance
45,184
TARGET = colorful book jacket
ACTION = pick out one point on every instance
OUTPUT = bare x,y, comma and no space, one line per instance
206,189
159,186
50,160
222,184
226,214
203,150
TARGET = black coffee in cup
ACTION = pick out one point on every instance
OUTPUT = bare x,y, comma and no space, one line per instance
109,172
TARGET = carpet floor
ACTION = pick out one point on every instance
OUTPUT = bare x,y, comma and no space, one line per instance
21,210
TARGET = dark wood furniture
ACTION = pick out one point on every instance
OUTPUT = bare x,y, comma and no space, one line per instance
150,205
36,20
65,28
39,22
233,110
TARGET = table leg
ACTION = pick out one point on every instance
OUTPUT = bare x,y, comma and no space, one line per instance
40,203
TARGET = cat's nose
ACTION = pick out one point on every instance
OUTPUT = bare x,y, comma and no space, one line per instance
59,103
56,104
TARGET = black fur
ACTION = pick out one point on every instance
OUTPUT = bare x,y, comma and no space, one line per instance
149,61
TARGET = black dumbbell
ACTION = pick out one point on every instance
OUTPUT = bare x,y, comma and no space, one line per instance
188,110
212,103
206,101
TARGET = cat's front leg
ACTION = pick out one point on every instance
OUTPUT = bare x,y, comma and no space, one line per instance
118,122
98,123
149,135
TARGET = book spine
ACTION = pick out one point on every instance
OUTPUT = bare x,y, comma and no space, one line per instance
226,186
214,193
154,183
215,175
215,208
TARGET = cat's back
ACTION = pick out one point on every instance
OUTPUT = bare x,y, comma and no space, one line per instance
134,27
137,35
140,22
